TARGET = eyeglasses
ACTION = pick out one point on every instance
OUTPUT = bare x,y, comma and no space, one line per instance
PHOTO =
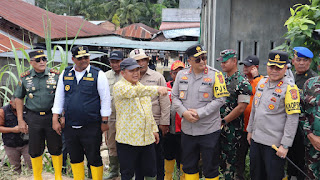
203,58
44,59
83,57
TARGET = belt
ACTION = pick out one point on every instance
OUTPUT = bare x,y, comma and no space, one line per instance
41,113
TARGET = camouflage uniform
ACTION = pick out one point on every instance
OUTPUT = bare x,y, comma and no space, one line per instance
311,100
232,132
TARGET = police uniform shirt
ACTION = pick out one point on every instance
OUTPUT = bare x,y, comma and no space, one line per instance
102,86
192,91
273,118
112,79
39,89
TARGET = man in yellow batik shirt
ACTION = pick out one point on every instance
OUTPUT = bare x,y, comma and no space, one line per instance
136,129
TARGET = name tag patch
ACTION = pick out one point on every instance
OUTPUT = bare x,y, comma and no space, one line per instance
88,78
68,78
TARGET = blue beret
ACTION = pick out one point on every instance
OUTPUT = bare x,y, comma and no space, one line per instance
302,52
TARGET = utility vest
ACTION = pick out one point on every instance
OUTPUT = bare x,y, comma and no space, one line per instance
82,100
11,139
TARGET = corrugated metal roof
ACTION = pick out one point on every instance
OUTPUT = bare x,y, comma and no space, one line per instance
32,17
5,44
137,30
57,55
119,42
178,25
180,15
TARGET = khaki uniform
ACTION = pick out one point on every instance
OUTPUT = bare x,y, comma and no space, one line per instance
111,133
160,104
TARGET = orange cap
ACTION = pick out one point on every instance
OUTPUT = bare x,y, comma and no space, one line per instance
176,65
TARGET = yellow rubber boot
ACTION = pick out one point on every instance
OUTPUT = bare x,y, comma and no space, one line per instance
97,172
57,165
37,167
168,168
78,171
182,174
192,176
216,178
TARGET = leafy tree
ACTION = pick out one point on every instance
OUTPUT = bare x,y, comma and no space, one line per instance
303,21
116,20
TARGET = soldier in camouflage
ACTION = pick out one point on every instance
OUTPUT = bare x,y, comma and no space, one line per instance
311,101
301,61
232,113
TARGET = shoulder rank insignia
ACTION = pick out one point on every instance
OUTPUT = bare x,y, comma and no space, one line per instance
25,74
54,71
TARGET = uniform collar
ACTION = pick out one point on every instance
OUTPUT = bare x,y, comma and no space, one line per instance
148,71
33,72
87,69
205,71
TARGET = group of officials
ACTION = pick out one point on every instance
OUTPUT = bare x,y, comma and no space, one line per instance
202,117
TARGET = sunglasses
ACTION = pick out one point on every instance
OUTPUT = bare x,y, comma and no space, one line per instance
203,58
83,57
39,59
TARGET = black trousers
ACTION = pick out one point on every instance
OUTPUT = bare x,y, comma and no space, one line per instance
84,141
297,154
159,162
209,147
264,163
131,157
172,147
40,130
242,154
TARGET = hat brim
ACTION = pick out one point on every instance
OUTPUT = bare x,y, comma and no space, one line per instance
139,57
245,63
81,55
199,53
132,67
275,64
40,55
177,67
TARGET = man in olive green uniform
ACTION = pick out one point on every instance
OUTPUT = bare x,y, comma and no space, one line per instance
113,76
301,61
310,101
39,85
232,113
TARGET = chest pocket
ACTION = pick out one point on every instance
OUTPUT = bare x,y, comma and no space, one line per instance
205,93
183,91
87,87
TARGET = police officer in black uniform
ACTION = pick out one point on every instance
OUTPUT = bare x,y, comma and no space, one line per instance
39,85
83,94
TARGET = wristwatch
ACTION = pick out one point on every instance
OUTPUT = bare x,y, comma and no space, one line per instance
284,146
223,122
104,122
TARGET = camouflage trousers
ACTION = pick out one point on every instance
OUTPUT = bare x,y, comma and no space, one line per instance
230,144
312,162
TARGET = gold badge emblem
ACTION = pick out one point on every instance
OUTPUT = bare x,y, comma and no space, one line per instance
205,95
33,88
262,85
30,95
89,75
67,87
277,57
273,99
181,94
278,90
184,78
198,48
271,106
256,102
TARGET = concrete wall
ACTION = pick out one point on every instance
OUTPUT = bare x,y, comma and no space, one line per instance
189,4
248,26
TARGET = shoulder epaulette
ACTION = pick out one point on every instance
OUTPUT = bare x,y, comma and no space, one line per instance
54,71
24,74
